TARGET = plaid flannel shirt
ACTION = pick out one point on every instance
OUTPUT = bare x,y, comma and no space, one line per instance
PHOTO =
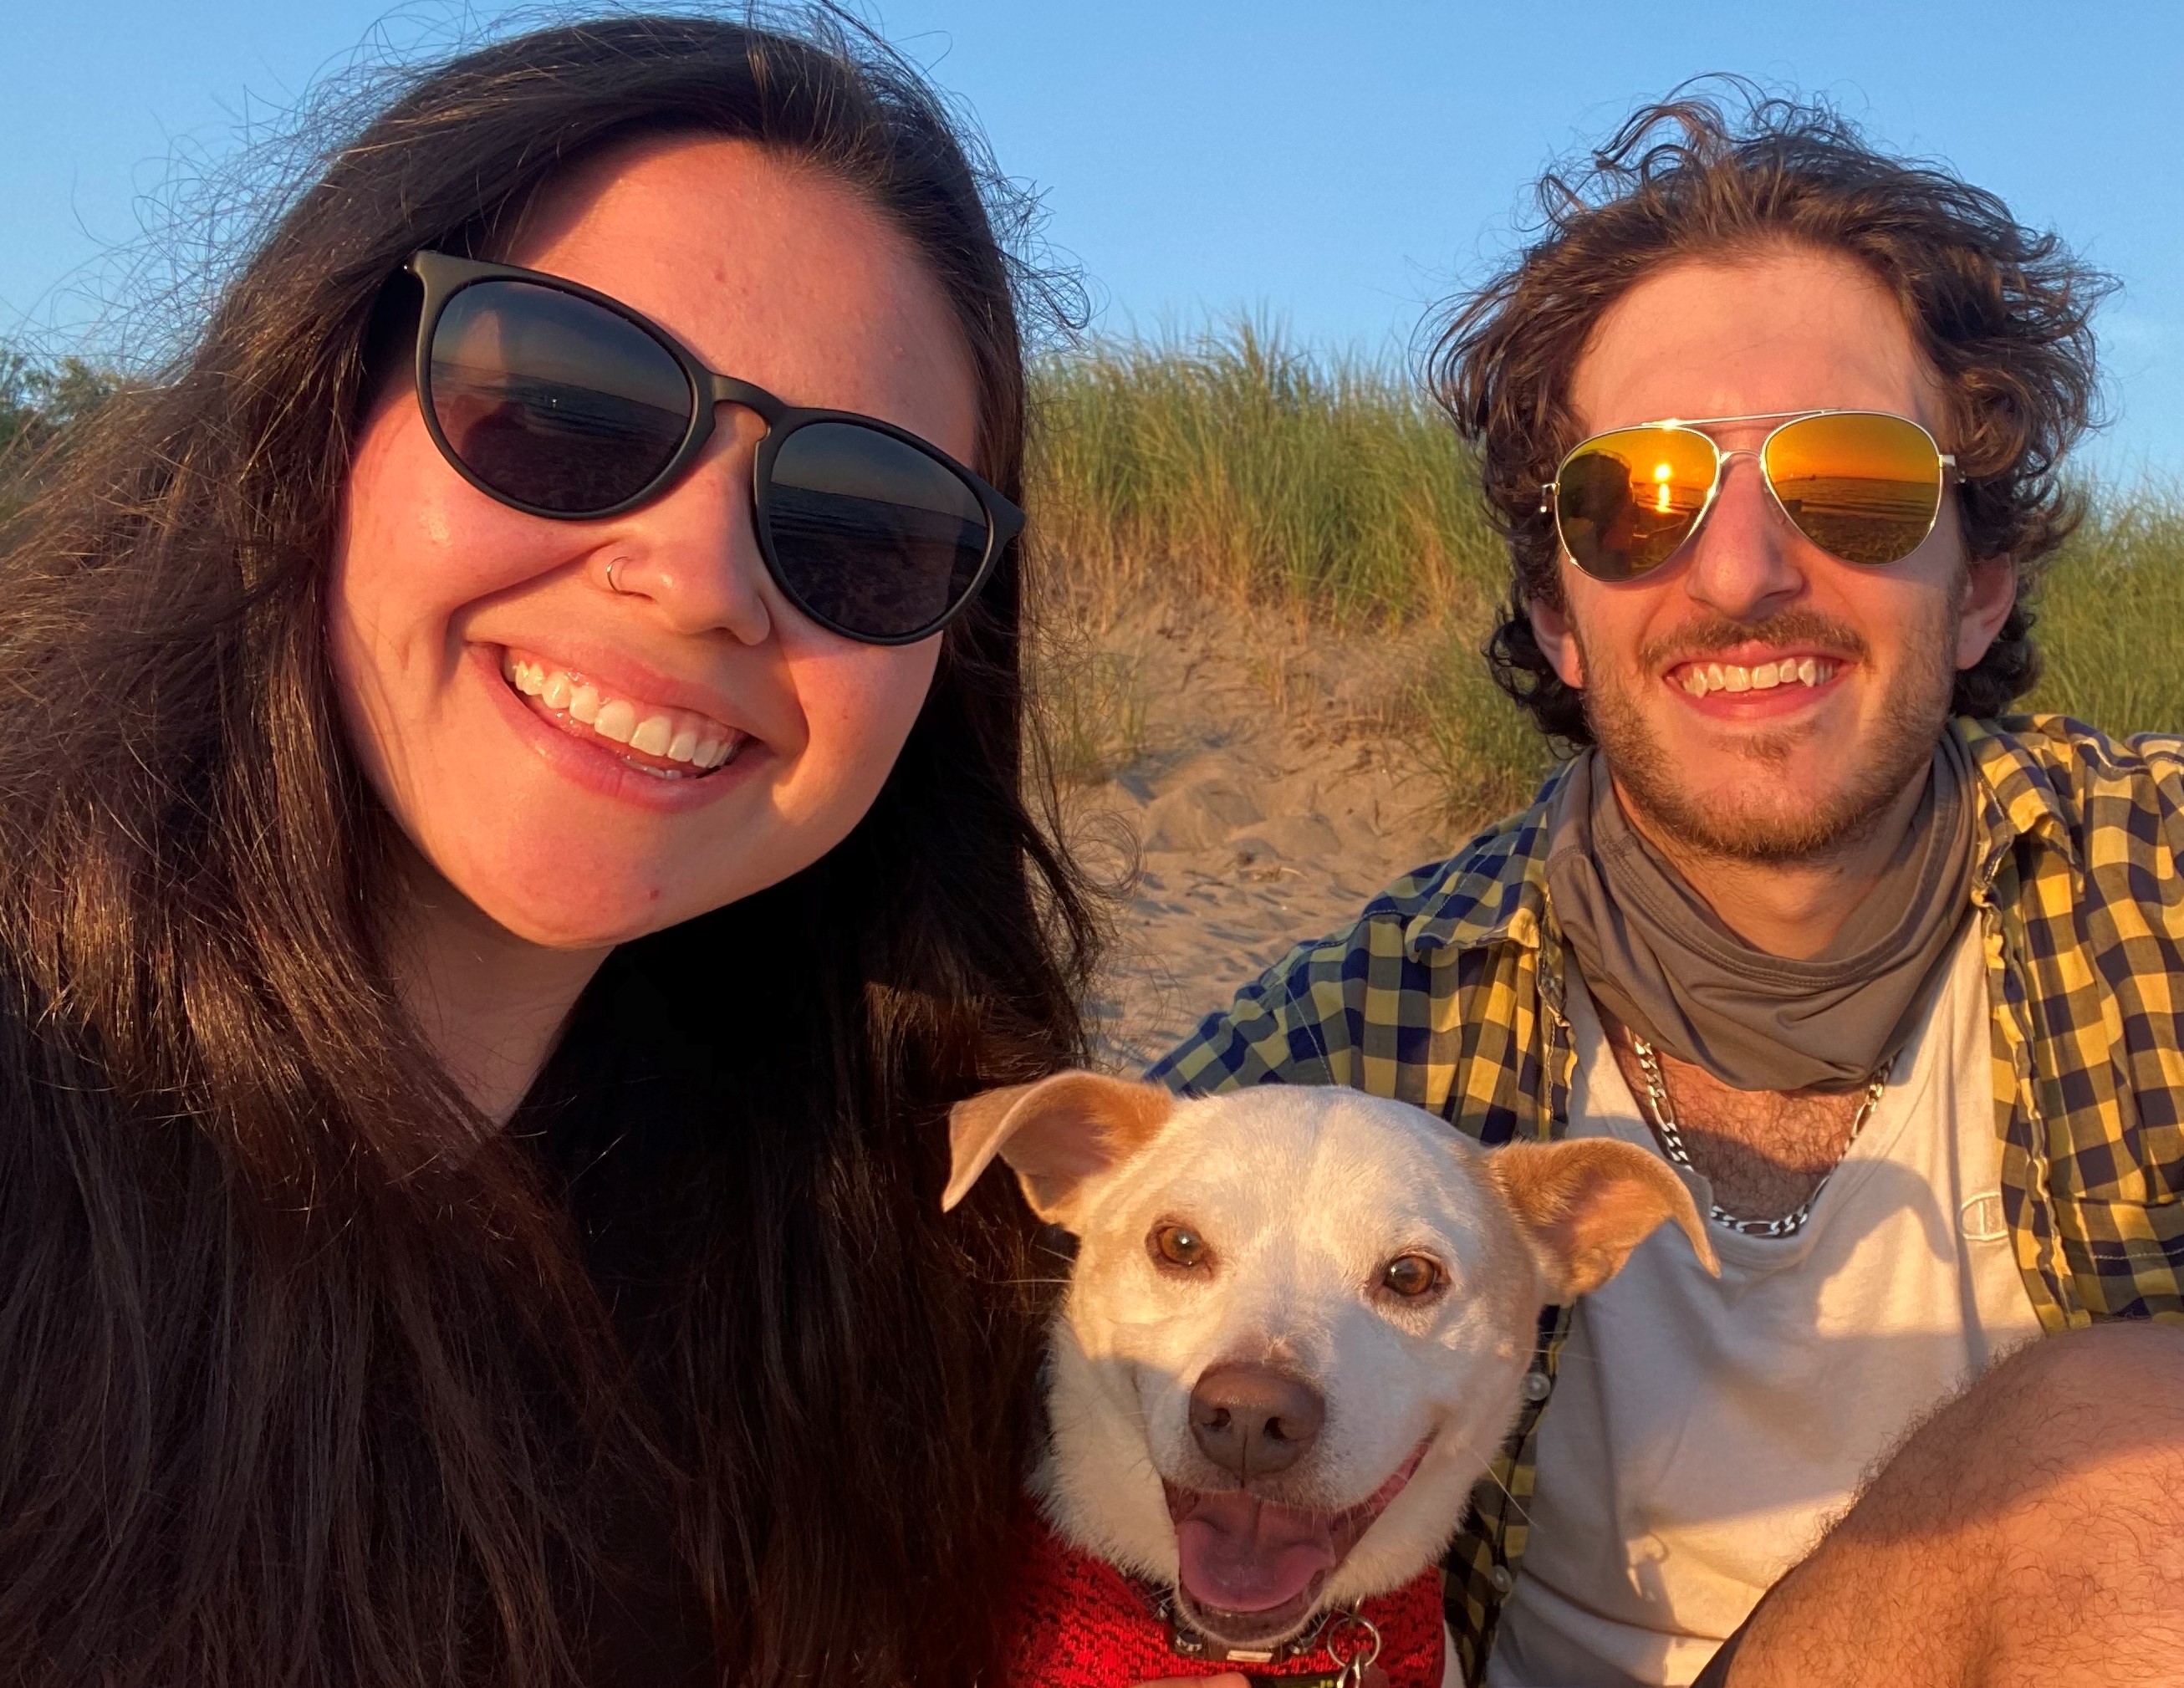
1448,993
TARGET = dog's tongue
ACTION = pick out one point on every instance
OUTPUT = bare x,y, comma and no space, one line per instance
1241,1554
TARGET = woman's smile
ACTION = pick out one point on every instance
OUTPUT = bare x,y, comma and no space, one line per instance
593,760
652,738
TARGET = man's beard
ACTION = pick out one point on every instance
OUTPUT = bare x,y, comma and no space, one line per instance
1914,713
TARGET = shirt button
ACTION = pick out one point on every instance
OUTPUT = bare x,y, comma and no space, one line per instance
1502,1581
1538,1386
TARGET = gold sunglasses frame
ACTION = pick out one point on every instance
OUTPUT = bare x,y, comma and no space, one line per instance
1722,459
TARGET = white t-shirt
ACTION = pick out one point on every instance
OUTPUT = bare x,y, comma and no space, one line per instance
1704,1434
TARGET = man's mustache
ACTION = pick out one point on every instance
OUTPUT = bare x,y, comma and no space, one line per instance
1719,633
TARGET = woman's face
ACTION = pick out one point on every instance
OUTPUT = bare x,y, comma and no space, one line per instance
768,271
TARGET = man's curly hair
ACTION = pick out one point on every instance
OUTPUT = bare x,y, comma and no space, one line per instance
2000,310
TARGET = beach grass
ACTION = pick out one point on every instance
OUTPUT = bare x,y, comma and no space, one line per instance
1237,464
2109,616
1235,467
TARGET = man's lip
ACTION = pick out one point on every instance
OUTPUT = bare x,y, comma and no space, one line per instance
1770,703
1752,655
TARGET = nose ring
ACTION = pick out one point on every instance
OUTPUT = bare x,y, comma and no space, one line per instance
613,584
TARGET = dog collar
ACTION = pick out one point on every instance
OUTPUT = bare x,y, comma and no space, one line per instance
1345,1634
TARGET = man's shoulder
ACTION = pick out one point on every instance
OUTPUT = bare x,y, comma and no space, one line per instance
1484,891
1333,1010
2066,745
2051,767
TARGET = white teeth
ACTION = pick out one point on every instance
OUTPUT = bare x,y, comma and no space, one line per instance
673,735
1699,679
616,721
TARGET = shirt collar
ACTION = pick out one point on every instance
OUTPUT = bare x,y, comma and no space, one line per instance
1496,890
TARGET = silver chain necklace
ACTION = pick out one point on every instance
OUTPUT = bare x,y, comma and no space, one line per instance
1672,1143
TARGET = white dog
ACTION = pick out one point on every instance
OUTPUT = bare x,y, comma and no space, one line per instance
1297,1326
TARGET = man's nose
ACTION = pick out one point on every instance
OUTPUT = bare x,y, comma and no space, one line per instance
694,551
1744,562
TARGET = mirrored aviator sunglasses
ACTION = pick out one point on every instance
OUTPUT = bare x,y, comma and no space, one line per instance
1864,485
563,403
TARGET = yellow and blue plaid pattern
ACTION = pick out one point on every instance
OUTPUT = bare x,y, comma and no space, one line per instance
1448,993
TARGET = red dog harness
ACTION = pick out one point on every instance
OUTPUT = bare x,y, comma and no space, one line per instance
1077,1622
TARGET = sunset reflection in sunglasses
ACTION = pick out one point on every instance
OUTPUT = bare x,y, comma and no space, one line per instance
1864,487
558,405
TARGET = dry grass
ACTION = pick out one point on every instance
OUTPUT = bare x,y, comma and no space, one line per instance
1236,464
1094,707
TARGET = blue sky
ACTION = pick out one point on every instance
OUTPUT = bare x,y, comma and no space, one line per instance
1337,167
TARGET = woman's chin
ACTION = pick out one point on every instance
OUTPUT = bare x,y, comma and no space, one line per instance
577,910
586,923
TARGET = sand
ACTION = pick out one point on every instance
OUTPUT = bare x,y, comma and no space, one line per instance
1269,800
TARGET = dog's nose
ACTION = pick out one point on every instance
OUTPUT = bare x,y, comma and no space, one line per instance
1253,1420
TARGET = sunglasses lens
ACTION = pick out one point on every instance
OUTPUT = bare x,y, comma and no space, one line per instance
551,401
1865,488
1625,501
872,535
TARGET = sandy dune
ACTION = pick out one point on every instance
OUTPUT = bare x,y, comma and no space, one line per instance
1268,805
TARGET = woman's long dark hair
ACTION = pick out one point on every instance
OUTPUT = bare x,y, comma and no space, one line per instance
292,1393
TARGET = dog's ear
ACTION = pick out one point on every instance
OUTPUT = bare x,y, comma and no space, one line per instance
1055,1134
1585,1205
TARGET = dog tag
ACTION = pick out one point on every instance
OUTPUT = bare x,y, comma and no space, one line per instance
1354,1644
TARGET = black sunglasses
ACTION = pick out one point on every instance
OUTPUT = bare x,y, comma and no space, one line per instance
561,402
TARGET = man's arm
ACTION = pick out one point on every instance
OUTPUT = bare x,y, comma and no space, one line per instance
2032,1530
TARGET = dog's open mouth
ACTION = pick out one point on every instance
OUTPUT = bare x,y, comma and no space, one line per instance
1249,1571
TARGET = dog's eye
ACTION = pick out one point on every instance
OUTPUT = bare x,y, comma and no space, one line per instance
1411,1275
1177,1245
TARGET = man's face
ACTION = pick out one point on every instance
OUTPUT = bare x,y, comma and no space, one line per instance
1794,770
